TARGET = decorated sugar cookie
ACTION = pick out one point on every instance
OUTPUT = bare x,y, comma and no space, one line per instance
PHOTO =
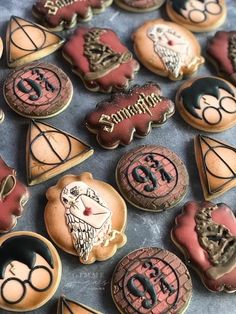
167,49
139,6
30,271
86,217
67,306
197,15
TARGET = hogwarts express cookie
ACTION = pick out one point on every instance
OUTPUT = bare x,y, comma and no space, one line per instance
216,162
30,271
151,280
206,235
167,49
67,306
139,5
99,58
63,14
39,90
86,217
221,51
152,178
51,151
27,42
207,103
126,114
197,15
13,196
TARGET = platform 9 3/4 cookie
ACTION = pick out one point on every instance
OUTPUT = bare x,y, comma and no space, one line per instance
167,49
30,271
151,280
152,178
86,217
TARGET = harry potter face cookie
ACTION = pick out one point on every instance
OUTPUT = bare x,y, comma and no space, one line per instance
30,271
206,234
197,15
86,217
127,114
103,63
139,5
207,103
63,14
167,49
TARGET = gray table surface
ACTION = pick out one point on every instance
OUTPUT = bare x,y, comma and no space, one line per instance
91,284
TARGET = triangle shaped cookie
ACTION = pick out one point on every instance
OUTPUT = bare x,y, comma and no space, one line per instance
66,306
50,151
216,163
27,42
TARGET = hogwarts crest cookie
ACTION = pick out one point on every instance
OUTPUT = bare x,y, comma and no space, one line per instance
86,217
197,15
128,114
207,103
99,58
63,14
30,271
13,196
167,49
139,6
206,235
152,178
151,280
39,90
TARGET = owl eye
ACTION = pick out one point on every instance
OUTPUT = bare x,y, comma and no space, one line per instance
65,200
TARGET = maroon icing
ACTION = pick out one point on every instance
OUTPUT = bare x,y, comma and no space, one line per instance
185,236
118,77
10,203
122,132
67,12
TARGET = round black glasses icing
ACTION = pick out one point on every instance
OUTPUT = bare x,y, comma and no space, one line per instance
12,281
212,8
223,106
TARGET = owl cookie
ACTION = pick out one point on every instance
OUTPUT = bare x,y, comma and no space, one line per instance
139,6
167,49
197,15
86,217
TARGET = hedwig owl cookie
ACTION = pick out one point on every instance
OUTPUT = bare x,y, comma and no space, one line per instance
86,217
167,49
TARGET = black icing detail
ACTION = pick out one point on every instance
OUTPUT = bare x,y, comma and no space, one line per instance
64,303
179,5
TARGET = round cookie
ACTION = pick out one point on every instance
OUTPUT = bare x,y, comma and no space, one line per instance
151,280
38,90
167,49
197,15
152,178
139,6
207,103
86,217
30,271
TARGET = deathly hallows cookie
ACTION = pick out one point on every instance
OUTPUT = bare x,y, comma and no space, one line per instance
38,90
167,49
139,6
103,63
151,280
27,42
197,15
152,178
50,151
67,306
30,271
221,51
126,114
216,162
86,217
62,14
13,196
207,103
206,234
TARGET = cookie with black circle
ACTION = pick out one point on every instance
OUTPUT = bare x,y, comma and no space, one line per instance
39,90
152,178
151,280
207,103
139,6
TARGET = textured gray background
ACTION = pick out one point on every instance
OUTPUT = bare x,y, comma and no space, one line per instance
91,284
